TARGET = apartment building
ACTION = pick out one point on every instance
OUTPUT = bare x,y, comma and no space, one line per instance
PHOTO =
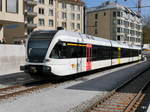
11,20
115,22
59,13
70,15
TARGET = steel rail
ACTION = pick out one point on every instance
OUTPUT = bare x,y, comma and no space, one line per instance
13,91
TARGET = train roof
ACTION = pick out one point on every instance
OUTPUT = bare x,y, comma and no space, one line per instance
88,39
74,36
119,44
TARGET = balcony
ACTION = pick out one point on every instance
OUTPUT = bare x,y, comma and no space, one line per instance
31,2
31,25
30,13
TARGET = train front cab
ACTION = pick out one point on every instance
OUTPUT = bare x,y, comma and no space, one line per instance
36,49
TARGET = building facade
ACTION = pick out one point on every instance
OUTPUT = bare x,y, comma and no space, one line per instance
11,20
70,15
115,22
46,15
59,13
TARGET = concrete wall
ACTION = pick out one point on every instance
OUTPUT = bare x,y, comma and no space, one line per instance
11,57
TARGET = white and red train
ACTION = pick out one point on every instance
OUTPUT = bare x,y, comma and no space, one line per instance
63,53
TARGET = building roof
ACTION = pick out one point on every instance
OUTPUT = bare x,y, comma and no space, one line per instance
73,1
112,5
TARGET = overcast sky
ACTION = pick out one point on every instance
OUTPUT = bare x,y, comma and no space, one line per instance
128,3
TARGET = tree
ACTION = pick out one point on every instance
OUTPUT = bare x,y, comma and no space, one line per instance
146,30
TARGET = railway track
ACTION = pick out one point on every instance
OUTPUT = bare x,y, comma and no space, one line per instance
13,91
125,98
31,86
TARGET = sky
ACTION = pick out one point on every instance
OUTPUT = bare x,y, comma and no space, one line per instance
128,3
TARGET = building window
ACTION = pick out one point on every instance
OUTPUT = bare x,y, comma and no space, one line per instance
72,7
118,37
51,13
41,1
51,2
72,26
41,11
132,32
118,14
64,15
126,31
64,24
41,22
118,30
12,6
72,16
64,5
78,8
96,31
104,13
118,21
51,23
114,14
126,23
96,16
96,23
78,16
127,38
121,14
78,26
138,27
139,40
132,25
0,5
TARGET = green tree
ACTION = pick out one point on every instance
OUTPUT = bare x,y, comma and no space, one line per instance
146,30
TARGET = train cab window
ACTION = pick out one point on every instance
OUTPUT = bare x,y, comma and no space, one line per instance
56,52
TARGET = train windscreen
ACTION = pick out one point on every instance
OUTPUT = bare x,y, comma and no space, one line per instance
38,45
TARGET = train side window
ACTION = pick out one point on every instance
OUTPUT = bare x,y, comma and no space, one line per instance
115,52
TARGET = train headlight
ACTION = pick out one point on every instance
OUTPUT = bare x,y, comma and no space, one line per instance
46,69
27,60
46,60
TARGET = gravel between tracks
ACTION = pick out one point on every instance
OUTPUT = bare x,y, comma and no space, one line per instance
72,96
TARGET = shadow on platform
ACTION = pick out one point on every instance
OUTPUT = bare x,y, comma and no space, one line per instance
109,81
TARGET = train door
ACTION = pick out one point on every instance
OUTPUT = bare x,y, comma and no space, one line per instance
79,59
88,57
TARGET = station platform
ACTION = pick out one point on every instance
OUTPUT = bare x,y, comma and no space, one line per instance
76,95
